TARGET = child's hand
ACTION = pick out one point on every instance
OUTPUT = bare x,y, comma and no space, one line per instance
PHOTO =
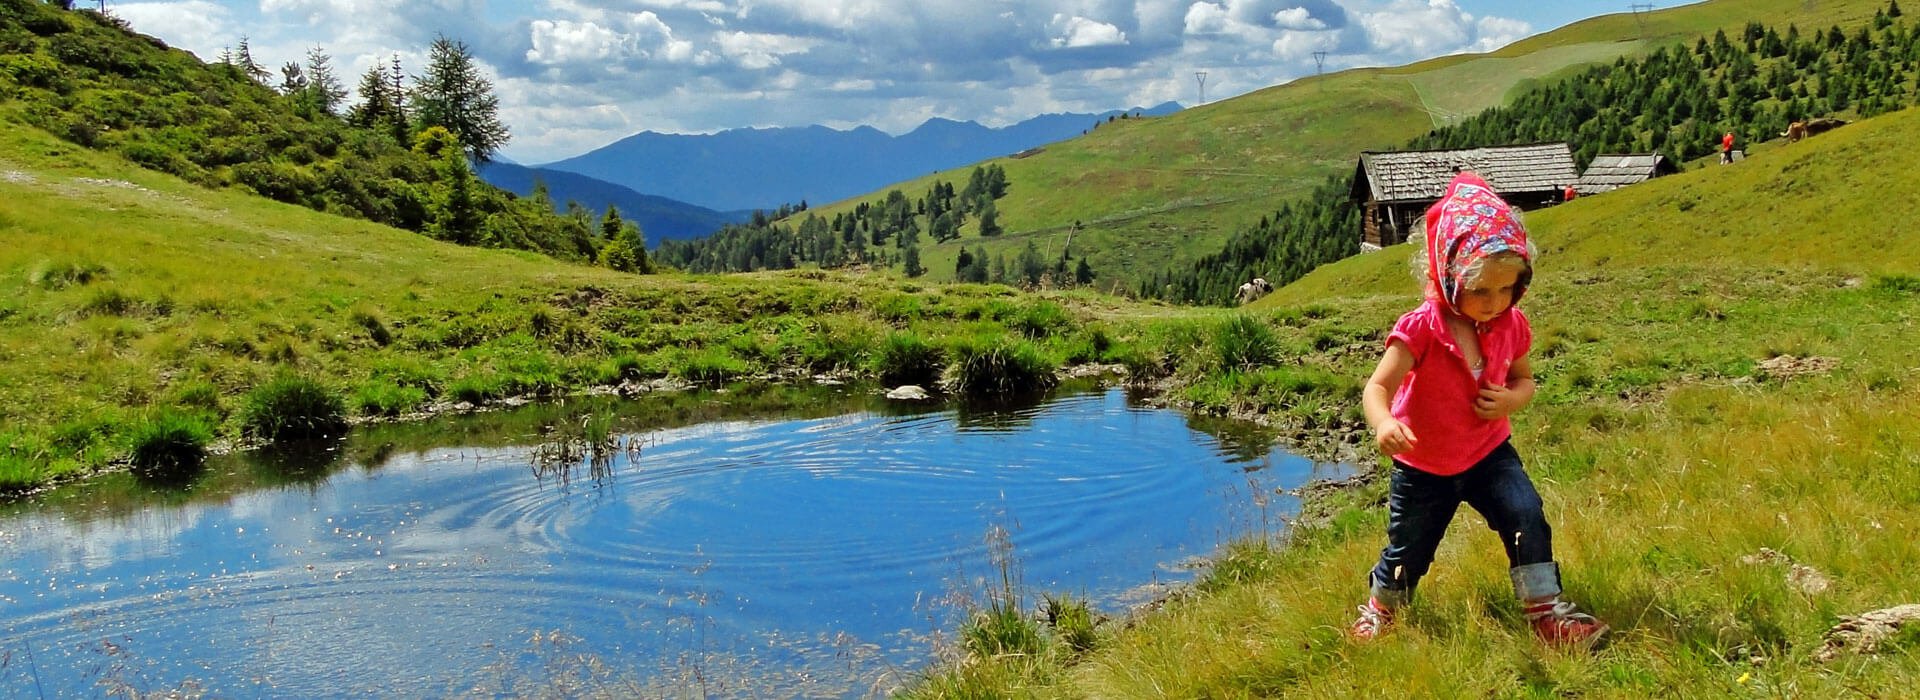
1394,437
1497,402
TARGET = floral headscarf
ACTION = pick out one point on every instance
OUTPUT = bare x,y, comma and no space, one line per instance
1469,223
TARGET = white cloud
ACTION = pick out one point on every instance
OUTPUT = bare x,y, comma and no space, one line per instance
1409,28
1293,46
1079,32
1206,18
1298,19
759,51
580,73
195,25
1495,32
558,42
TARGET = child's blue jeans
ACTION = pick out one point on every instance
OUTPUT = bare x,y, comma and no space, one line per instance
1420,505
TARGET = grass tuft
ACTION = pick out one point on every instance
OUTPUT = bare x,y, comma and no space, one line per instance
1243,342
994,366
169,445
906,358
53,276
293,407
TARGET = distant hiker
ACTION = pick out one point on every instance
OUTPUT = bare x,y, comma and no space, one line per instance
1568,194
1453,370
1726,148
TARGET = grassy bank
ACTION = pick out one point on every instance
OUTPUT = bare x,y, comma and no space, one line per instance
143,316
1726,369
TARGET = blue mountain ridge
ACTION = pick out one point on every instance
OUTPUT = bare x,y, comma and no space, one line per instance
659,218
746,169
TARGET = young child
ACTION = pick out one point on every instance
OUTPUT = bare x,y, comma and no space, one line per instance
1454,369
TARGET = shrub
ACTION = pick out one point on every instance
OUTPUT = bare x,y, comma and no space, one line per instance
998,367
169,445
291,406
906,358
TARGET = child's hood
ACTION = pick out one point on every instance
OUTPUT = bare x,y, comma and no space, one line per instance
1468,223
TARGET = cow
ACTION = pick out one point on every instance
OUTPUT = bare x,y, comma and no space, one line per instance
1823,125
1252,290
1795,132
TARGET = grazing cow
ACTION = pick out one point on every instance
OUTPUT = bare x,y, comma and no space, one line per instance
1795,132
1255,289
1823,125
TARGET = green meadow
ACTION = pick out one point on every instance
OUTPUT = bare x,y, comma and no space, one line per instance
1727,369
1724,435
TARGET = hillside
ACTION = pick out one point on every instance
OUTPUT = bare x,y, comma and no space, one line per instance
86,77
136,307
1171,189
745,169
1723,437
660,218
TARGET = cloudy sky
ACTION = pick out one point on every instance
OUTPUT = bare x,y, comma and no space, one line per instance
574,75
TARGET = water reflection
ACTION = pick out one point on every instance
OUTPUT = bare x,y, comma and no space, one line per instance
775,546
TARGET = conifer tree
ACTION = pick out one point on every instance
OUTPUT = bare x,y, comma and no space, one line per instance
379,107
243,59
911,262
324,93
989,219
454,95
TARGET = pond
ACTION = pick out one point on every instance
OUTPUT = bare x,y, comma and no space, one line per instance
818,543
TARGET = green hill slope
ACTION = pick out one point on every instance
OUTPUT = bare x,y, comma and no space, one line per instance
1726,371
129,298
1152,191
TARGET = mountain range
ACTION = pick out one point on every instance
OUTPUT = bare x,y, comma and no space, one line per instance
746,169
659,217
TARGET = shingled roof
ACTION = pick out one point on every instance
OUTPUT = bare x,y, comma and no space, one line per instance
1411,176
1614,171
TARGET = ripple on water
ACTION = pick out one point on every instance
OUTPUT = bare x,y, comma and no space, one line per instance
714,535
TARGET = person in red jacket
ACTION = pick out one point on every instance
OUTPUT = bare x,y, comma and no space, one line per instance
1726,148
1453,370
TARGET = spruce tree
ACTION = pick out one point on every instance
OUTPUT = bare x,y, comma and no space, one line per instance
911,262
243,59
455,96
324,91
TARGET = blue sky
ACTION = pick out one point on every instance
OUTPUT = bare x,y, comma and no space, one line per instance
574,75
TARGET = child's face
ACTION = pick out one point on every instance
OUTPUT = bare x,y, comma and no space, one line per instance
1489,294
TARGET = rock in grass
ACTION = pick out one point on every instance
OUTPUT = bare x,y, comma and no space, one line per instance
1864,633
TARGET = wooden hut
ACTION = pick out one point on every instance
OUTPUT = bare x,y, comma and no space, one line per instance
1613,171
1396,187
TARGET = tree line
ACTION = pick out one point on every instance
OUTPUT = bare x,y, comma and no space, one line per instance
1676,101
402,156
884,232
